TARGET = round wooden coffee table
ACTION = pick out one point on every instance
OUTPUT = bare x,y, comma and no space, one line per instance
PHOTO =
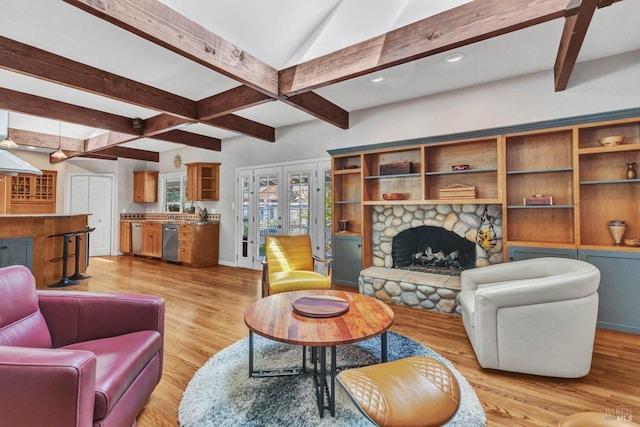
274,318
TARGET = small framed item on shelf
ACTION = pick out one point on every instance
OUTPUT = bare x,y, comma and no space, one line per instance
399,168
538,200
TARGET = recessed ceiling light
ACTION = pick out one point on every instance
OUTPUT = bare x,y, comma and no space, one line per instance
376,79
454,57
31,147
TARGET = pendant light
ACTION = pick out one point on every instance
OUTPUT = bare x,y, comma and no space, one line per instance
7,142
59,154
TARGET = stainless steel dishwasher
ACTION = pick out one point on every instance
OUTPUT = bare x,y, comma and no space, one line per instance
170,242
136,238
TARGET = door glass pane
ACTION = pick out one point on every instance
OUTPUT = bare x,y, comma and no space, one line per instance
327,214
267,209
244,185
299,203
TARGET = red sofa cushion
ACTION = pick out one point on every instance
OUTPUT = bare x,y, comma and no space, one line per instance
21,323
119,360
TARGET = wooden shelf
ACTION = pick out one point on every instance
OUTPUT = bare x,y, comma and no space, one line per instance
461,172
546,170
540,207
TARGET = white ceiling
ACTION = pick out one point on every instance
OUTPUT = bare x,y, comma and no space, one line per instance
282,33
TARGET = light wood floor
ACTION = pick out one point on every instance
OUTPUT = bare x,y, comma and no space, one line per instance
204,313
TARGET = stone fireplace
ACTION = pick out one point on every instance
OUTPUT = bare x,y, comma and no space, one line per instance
419,252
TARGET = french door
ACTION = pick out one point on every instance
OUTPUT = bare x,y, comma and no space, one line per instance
287,199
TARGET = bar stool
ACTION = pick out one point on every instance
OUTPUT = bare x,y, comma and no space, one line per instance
65,281
77,275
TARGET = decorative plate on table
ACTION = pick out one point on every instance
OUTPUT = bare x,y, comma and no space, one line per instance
320,306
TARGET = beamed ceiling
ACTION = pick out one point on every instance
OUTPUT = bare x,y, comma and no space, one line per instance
132,78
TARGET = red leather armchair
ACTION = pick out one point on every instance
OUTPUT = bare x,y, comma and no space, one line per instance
70,358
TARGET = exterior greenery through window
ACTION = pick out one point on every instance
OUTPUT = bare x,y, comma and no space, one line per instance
174,192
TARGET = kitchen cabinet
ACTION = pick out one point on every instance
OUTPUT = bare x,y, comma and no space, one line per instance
125,237
199,244
16,251
152,239
145,186
32,194
203,181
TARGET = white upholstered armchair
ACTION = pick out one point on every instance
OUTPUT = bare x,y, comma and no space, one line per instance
536,316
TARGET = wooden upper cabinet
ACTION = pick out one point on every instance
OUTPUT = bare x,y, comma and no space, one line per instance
145,186
32,194
203,181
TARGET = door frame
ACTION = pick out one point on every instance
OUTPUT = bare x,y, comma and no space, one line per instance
319,164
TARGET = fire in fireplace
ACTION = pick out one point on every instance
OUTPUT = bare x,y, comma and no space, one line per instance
432,250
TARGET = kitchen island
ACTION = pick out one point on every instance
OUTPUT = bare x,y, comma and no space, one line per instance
46,252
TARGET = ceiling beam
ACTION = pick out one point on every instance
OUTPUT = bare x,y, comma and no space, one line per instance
153,21
44,140
62,111
191,139
119,127
230,101
320,108
31,61
470,23
244,126
28,60
129,153
573,34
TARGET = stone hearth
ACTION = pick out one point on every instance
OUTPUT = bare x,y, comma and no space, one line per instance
436,292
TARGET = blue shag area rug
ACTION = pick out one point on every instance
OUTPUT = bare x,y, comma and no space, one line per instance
222,394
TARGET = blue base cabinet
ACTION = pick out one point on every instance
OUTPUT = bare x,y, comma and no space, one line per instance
17,251
619,290
519,253
347,259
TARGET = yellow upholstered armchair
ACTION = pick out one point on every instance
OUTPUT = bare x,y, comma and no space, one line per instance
289,264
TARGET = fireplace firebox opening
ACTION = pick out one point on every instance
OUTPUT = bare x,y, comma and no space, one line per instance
432,250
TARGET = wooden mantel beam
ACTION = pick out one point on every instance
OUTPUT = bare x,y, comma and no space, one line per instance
470,23
152,20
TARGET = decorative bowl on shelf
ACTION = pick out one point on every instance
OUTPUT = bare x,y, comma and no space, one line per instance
393,196
632,242
459,167
609,141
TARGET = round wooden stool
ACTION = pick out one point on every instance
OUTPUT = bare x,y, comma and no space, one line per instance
415,391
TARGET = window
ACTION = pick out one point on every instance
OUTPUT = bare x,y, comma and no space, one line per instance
174,192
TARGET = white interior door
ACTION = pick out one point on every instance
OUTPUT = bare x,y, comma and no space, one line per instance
93,194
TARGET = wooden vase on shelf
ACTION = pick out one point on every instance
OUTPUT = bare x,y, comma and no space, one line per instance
617,229
631,170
